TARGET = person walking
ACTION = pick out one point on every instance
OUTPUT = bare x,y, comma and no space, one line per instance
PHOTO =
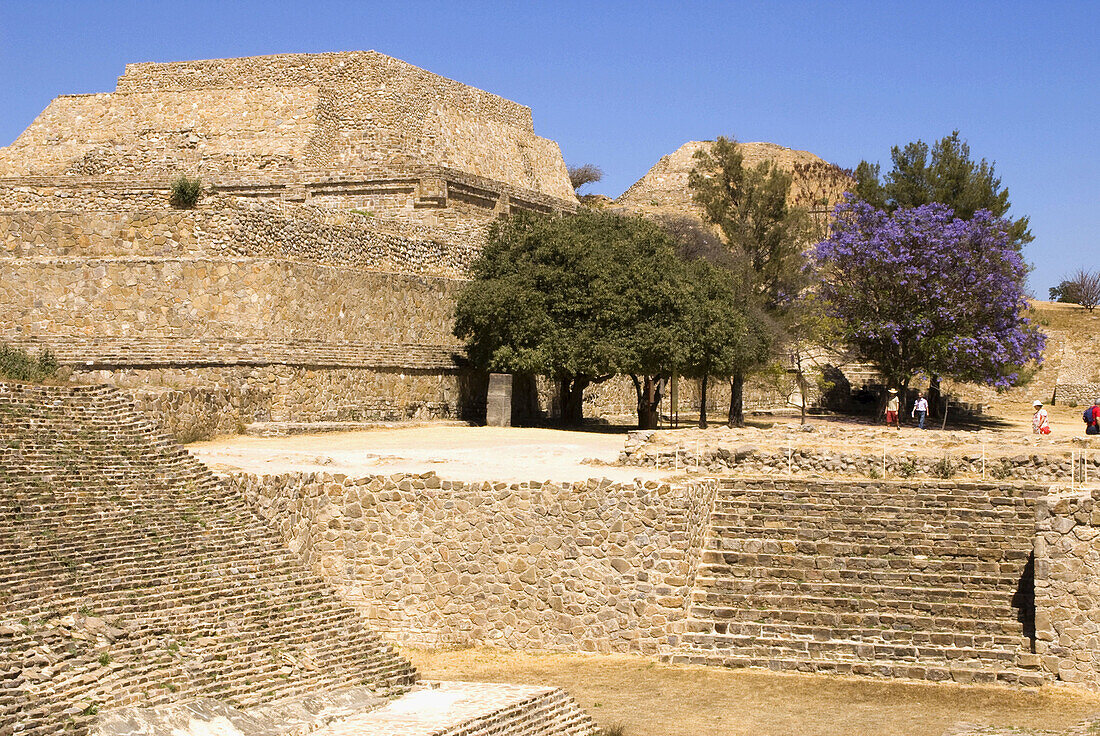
1092,418
920,409
1040,421
892,408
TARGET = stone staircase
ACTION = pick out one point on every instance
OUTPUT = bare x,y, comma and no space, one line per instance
917,580
130,577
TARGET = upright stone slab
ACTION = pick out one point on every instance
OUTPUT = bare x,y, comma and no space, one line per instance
498,407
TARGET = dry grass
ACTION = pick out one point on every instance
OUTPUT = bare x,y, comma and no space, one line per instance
653,699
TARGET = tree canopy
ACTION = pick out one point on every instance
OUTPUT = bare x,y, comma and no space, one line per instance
943,172
750,207
584,174
920,289
580,299
763,235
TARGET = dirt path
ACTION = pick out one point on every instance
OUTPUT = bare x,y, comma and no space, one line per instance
454,452
653,699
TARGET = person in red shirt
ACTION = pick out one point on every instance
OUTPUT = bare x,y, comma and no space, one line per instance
1092,420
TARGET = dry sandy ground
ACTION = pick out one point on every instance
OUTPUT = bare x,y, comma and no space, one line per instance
653,699
454,452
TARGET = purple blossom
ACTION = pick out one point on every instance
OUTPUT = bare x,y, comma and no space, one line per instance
921,290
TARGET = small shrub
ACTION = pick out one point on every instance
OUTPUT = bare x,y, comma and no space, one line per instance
1071,403
944,468
1001,470
18,365
906,469
104,659
615,729
186,191
873,472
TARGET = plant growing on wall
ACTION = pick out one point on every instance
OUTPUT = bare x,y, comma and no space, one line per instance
18,365
186,191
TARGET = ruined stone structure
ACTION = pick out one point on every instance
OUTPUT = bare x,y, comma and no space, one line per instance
595,566
936,580
816,184
347,195
135,582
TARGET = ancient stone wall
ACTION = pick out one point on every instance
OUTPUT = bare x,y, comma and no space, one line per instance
1076,394
729,455
338,113
196,403
593,566
132,577
1067,587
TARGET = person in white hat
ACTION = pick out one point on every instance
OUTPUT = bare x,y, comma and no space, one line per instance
892,407
1040,422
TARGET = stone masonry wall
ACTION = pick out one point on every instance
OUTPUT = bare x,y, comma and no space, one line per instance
340,113
593,566
132,577
235,227
201,402
1067,587
1076,394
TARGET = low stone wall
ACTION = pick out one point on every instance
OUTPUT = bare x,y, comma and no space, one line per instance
195,403
644,450
594,566
1067,587
1076,394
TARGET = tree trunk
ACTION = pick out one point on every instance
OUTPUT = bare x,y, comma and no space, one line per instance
647,410
737,400
934,396
571,394
703,402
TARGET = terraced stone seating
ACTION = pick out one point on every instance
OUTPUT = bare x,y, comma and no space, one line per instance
128,576
919,580
131,580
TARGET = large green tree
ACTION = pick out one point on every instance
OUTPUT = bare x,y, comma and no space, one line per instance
943,172
763,233
724,335
580,299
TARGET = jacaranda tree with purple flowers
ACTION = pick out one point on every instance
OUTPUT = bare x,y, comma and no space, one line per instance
919,290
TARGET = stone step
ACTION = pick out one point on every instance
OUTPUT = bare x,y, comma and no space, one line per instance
917,579
960,538
881,617
997,555
706,604
697,630
976,673
870,590
854,650
993,570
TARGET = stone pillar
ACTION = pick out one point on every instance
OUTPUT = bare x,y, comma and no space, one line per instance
1067,587
498,407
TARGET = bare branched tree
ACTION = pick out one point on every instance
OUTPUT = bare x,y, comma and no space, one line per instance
584,174
1086,286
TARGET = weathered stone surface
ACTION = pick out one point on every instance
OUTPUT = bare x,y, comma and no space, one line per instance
1067,587
517,565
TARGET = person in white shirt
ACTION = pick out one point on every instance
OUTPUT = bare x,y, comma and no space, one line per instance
920,409
1040,422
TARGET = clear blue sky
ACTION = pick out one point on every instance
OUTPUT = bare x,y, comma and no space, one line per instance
621,84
